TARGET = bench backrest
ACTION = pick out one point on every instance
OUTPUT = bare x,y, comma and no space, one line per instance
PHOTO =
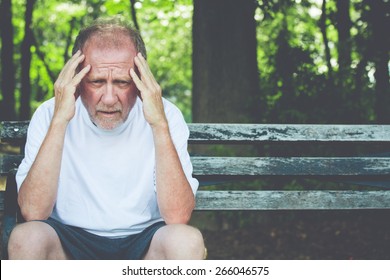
369,169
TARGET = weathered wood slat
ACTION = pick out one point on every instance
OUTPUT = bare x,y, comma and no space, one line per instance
254,132
312,166
9,163
247,166
13,129
292,200
355,169
287,200
289,132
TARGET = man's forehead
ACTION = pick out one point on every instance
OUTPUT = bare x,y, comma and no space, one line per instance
105,60
109,42
109,55
104,70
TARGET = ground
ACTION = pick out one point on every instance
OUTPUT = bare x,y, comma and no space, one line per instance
318,235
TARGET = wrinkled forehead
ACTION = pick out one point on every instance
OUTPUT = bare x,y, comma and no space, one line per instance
111,39
111,56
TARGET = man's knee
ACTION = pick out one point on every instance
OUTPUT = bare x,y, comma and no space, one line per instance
179,241
21,236
193,238
34,240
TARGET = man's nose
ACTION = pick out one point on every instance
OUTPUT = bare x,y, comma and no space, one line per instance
109,96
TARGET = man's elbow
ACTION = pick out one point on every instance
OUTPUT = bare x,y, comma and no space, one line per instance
176,219
178,216
32,214
29,215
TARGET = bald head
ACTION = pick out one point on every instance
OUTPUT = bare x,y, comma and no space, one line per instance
110,33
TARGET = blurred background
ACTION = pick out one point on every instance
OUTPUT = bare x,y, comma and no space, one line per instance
233,61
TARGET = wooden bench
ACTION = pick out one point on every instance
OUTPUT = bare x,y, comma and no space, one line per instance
355,156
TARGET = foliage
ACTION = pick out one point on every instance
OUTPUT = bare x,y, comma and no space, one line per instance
165,26
293,68
296,82
166,29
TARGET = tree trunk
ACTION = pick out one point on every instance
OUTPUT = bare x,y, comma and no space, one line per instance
69,40
28,41
7,105
322,25
225,73
134,14
284,67
343,24
380,44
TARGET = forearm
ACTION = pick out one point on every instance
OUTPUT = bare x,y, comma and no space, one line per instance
38,192
174,194
175,197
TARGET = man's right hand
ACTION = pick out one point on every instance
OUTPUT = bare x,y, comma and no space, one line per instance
65,88
38,192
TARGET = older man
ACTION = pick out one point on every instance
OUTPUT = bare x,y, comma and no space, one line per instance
106,175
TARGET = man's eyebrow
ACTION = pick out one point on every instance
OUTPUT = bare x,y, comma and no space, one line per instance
95,77
125,79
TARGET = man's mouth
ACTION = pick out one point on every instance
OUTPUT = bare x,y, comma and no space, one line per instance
108,114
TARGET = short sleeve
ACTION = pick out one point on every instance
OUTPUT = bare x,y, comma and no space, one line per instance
180,134
36,133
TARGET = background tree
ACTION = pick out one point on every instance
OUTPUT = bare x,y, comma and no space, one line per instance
378,15
225,74
28,41
134,13
323,25
7,103
344,46
284,74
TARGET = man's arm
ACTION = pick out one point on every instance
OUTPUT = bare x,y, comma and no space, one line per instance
174,194
38,192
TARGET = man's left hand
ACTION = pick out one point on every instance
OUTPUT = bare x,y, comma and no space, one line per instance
150,93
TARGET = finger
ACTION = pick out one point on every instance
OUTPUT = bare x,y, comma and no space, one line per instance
143,61
137,81
70,67
143,67
69,62
79,76
74,65
73,58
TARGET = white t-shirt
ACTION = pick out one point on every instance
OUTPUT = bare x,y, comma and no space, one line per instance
107,179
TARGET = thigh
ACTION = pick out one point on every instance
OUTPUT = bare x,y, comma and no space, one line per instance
35,240
176,241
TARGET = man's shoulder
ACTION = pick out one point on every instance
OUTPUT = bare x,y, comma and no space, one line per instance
177,123
42,115
46,107
170,108
48,103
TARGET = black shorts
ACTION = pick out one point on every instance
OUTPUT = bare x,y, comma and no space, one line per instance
82,245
